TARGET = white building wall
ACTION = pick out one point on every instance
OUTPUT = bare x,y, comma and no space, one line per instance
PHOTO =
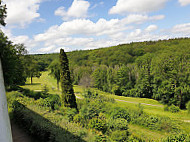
5,128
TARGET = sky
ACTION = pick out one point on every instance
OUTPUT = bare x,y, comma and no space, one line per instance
46,26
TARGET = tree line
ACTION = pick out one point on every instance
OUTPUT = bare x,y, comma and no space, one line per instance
156,69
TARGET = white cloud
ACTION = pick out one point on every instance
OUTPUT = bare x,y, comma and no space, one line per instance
46,49
182,29
78,9
151,28
22,39
184,2
137,6
86,27
139,19
82,27
85,34
22,12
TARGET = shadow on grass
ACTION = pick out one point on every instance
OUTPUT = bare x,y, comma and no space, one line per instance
32,84
40,127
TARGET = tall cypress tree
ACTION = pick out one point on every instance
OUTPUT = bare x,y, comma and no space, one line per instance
68,95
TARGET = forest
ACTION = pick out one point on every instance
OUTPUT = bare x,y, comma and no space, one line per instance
154,69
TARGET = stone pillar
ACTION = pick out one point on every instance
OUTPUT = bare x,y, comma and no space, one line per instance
5,127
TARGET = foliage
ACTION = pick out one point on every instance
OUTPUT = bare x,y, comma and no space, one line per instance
54,68
32,68
188,107
152,69
12,58
3,13
120,113
173,108
178,138
32,94
44,128
98,123
52,101
119,136
118,124
45,90
68,97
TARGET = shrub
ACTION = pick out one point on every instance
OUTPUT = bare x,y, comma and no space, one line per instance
188,107
45,90
91,110
120,113
118,124
43,128
152,122
52,101
173,108
100,138
70,113
32,94
98,124
119,135
178,138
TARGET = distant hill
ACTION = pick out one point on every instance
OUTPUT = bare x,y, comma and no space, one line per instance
116,55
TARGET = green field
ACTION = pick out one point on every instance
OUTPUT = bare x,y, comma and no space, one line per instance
150,106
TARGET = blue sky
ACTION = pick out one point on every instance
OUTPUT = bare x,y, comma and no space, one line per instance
45,26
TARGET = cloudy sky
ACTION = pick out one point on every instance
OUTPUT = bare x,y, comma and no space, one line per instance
45,26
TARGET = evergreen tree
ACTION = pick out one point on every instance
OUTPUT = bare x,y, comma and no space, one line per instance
68,95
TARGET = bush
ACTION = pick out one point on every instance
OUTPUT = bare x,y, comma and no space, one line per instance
100,138
120,113
98,124
32,94
53,101
118,124
188,107
70,113
178,138
173,108
91,110
119,135
44,129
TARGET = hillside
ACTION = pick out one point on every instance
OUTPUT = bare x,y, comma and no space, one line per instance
152,69
121,54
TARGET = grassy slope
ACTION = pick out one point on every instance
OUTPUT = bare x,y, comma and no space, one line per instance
45,79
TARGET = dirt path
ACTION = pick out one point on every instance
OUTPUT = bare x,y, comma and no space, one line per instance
138,103
20,135
126,101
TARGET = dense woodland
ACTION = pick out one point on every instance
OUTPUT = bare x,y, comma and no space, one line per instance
152,69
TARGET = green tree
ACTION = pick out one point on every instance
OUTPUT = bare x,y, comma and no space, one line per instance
172,77
144,81
3,13
54,68
12,61
32,68
124,80
68,95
